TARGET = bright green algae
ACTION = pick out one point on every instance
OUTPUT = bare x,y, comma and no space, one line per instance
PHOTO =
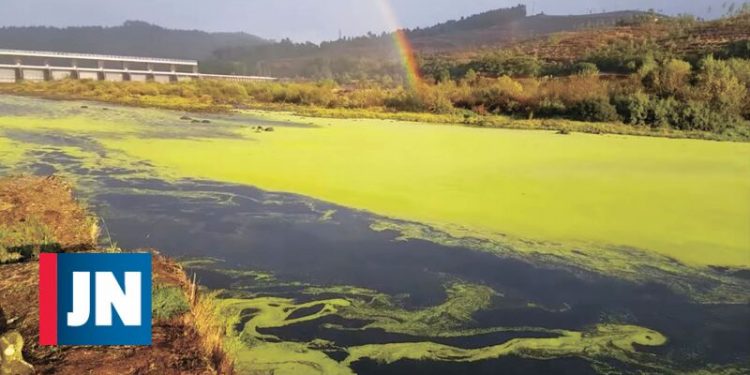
151,143
684,199
259,352
702,187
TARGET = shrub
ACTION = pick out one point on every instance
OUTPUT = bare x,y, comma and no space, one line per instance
662,112
697,116
168,302
586,69
499,95
437,101
574,89
598,110
719,87
405,100
669,78
498,64
633,108
471,76
550,108
738,48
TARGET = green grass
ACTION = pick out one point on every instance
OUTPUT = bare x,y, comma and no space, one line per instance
25,240
168,302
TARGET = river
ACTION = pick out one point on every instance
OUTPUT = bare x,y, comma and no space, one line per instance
327,262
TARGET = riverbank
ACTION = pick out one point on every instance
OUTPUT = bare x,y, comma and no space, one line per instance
186,98
41,214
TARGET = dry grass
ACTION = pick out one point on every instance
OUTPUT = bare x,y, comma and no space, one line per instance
211,333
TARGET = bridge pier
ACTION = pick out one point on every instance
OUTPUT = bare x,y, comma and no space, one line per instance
100,76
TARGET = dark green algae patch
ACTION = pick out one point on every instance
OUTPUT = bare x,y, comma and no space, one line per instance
309,287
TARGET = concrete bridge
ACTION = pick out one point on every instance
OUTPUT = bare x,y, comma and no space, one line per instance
16,66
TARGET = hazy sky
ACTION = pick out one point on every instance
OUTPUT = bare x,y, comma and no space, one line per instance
303,19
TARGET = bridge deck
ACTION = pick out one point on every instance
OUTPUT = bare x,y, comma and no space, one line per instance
90,56
154,69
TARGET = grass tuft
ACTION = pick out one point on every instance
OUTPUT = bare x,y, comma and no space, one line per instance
168,302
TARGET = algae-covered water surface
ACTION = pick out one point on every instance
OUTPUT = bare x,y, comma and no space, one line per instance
361,246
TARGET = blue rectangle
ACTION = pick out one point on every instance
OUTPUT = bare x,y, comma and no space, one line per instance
90,333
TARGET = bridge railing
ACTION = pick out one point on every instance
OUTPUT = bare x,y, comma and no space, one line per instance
96,57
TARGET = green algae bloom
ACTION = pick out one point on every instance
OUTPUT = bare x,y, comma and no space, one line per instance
644,210
244,320
684,199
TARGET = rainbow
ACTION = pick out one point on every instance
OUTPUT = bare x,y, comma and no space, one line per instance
402,43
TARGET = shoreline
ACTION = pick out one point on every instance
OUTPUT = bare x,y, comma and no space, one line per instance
46,217
563,126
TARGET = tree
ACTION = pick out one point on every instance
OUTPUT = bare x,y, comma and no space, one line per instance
718,85
670,78
586,69
471,76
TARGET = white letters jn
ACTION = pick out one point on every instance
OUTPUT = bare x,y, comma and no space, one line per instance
108,295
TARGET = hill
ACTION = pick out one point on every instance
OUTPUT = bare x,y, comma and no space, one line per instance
683,37
373,55
133,38
501,26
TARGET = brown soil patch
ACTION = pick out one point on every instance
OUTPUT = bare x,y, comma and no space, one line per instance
47,203
176,348
176,344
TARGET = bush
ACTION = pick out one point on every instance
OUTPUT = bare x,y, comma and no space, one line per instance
633,108
738,48
550,108
698,116
499,64
597,110
663,112
405,100
499,95
719,87
671,78
168,302
586,69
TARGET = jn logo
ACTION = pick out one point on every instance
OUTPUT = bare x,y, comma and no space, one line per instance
95,299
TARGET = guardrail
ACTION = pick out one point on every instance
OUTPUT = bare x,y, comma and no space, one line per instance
22,68
91,56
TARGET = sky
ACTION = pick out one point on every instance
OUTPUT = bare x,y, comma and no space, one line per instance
303,20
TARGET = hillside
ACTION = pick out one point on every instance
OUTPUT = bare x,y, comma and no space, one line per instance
501,26
684,38
133,38
374,55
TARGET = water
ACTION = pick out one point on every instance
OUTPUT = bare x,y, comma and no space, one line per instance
258,245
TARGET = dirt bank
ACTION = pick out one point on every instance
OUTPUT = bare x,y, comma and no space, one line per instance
48,202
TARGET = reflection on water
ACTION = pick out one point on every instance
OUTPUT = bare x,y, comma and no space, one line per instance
314,279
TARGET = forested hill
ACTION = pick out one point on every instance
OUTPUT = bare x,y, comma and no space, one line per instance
505,25
133,38
374,55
